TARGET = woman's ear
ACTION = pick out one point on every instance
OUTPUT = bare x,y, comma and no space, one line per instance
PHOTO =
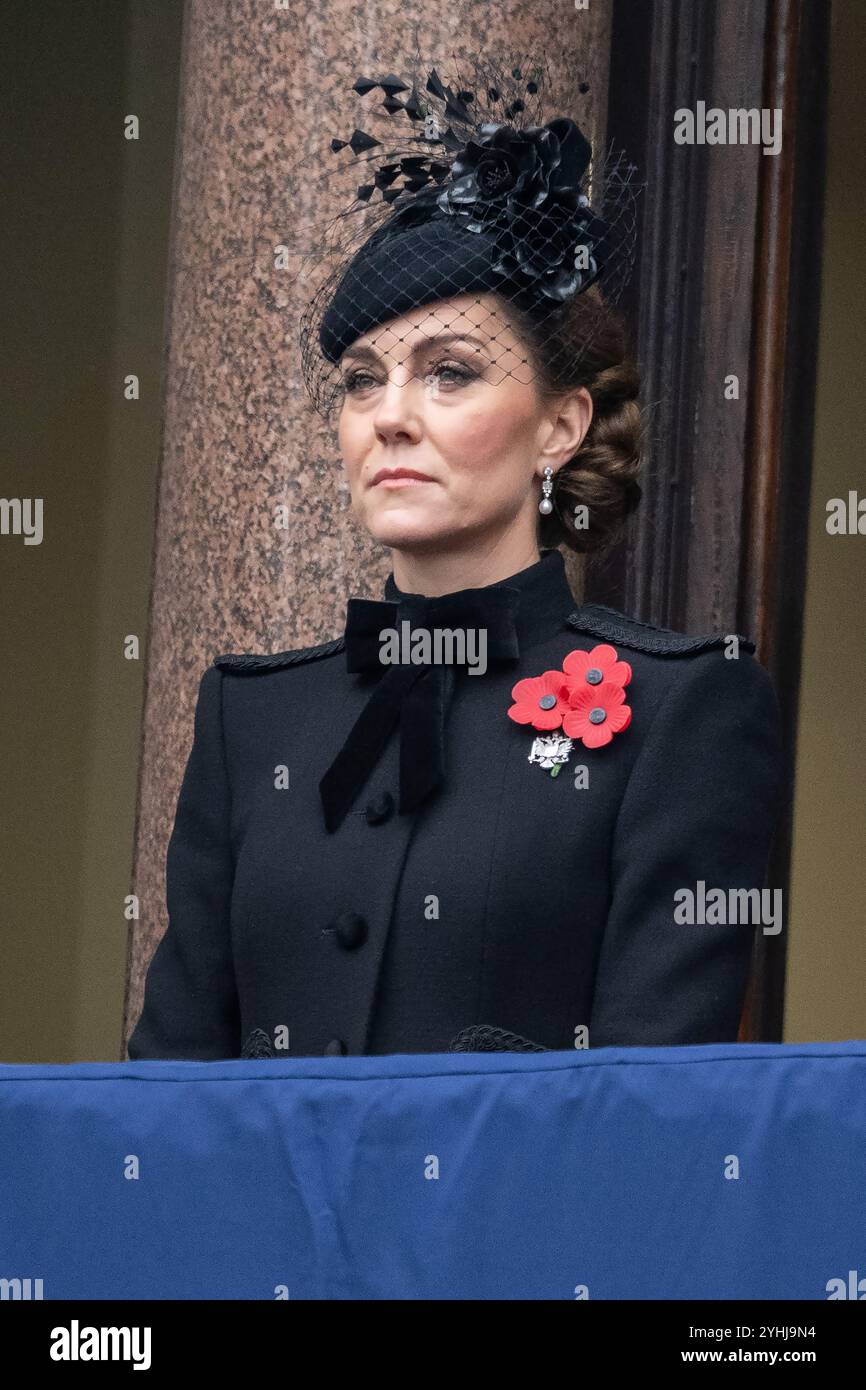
569,420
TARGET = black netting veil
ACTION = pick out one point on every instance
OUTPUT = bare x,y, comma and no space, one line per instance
478,237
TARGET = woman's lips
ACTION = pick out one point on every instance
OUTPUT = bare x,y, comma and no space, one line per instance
401,482
400,478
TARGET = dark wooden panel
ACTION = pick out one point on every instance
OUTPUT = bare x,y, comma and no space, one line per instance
776,519
727,283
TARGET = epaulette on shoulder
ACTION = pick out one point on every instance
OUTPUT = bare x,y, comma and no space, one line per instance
274,661
613,626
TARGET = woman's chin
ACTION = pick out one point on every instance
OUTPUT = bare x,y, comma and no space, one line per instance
399,529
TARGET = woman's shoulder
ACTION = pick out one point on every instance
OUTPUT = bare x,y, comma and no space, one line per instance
611,625
699,701
710,669
245,663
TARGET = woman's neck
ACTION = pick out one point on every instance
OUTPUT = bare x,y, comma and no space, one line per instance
445,571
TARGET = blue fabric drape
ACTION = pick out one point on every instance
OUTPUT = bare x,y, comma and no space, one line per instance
458,1176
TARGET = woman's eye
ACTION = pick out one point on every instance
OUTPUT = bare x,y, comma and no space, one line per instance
354,381
454,372
446,373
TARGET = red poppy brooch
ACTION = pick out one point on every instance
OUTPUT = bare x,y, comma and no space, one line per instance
584,701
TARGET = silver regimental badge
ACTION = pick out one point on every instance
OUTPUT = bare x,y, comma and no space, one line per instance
551,751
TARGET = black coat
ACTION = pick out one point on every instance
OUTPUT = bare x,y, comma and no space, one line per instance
510,897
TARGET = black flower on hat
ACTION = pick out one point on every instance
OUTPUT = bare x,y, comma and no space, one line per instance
526,186
519,168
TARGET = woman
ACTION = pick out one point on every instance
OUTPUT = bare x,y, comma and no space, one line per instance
484,804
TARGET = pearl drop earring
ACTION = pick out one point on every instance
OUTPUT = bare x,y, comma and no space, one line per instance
545,506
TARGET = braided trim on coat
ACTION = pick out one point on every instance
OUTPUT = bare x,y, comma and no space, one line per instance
645,637
482,1037
257,1045
272,661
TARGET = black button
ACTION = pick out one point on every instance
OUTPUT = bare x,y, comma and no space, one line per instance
336,1048
351,929
380,808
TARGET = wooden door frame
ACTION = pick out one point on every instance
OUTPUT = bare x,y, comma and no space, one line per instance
729,260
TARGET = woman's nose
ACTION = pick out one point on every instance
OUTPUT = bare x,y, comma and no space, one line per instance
400,400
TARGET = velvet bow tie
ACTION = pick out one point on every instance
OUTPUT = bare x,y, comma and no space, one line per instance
417,693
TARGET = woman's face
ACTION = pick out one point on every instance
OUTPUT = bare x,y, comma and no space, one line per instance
446,392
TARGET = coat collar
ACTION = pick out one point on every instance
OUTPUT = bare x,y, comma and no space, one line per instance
545,599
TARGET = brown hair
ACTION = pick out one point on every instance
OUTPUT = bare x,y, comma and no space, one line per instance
603,474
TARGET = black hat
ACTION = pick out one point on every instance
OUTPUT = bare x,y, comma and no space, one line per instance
407,269
482,197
